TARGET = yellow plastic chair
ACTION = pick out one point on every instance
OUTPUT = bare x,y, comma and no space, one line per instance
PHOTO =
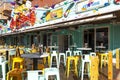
75,60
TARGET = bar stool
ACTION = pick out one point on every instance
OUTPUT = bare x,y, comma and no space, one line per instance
54,54
85,59
68,53
69,59
103,59
35,75
64,60
3,66
18,60
16,73
51,71
94,70
17,70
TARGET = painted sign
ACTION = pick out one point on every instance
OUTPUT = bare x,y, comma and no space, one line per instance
54,14
90,4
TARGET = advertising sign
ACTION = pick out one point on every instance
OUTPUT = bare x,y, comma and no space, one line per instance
90,4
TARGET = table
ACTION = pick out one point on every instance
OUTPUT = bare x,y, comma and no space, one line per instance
85,50
100,48
35,57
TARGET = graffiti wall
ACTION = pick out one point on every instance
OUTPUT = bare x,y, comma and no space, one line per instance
26,16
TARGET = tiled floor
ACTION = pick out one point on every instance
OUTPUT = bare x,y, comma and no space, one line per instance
103,75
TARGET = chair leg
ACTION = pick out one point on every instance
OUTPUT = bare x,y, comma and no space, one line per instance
68,67
76,71
4,71
82,74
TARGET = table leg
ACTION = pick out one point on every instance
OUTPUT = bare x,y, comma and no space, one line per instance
7,56
35,63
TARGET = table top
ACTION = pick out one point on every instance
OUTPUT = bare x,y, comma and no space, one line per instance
84,48
100,47
3,50
34,55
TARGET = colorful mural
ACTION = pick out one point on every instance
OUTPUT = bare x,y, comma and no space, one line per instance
25,15
22,16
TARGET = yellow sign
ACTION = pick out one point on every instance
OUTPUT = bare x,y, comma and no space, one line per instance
54,14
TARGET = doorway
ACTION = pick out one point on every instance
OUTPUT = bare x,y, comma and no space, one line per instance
63,42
